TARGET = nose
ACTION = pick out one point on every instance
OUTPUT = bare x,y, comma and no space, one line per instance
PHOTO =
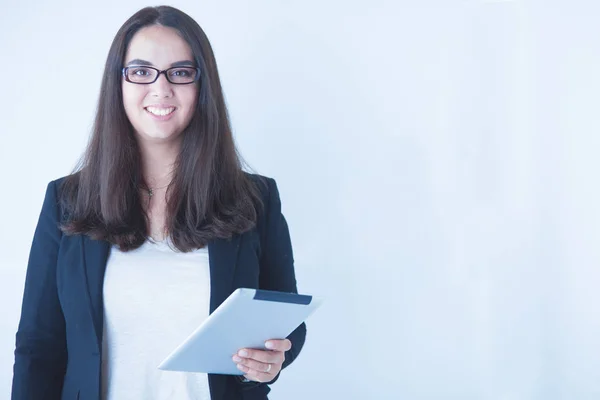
162,87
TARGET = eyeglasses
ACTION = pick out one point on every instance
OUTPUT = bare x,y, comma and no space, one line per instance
148,75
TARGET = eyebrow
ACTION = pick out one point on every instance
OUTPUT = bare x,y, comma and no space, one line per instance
184,63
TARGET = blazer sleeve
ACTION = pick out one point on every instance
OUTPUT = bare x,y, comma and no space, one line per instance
41,354
277,262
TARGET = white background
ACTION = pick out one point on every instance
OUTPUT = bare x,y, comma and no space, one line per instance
437,162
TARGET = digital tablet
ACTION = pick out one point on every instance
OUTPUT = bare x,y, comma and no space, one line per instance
246,319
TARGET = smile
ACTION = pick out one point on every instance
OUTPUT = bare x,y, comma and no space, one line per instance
161,112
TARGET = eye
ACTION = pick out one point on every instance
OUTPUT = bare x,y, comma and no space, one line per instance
140,71
181,73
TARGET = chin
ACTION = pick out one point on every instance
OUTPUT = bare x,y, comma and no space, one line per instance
158,136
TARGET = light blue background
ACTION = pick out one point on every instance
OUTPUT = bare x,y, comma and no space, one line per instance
437,162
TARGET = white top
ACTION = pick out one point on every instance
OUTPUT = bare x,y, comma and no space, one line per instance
154,298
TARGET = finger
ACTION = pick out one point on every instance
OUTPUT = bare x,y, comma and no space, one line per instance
278,345
252,378
264,356
259,376
253,364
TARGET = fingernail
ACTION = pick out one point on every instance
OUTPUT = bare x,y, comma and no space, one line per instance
241,367
269,345
236,359
243,353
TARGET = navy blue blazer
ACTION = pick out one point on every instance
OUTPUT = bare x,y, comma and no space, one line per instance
59,338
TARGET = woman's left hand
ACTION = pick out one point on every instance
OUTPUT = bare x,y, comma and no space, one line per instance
262,365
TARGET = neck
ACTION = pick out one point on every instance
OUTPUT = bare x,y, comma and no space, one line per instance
158,161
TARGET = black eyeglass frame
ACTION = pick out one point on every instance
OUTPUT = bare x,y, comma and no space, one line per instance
159,72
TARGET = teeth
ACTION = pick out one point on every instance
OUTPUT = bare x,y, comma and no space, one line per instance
160,111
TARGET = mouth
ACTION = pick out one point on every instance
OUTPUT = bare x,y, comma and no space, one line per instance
160,111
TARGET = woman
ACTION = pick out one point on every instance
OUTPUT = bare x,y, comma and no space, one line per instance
150,234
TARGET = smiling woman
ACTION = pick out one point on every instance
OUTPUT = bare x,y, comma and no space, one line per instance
158,223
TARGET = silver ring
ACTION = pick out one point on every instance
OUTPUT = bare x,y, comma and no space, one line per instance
268,369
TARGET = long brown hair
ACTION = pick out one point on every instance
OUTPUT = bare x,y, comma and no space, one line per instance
210,195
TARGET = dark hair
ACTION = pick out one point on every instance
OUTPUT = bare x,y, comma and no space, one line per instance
210,195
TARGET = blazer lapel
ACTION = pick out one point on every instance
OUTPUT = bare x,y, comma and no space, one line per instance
222,255
95,255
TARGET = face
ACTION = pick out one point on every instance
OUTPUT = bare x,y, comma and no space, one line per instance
159,111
